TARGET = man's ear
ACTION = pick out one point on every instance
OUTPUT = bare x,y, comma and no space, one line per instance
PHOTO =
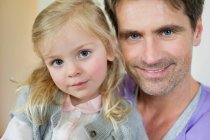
198,32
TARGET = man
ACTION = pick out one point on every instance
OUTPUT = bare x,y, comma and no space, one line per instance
156,39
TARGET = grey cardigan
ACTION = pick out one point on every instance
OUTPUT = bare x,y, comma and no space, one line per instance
131,128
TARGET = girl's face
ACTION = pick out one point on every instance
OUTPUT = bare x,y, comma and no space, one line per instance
77,62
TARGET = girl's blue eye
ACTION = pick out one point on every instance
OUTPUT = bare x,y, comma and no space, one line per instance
84,53
133,36
57,62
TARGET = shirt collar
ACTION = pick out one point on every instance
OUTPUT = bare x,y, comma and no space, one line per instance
89,107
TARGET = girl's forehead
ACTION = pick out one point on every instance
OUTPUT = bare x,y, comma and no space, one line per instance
71,32
68,35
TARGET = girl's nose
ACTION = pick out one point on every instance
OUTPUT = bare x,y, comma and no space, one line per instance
73,69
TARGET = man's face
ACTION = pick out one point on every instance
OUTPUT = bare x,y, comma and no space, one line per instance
156,42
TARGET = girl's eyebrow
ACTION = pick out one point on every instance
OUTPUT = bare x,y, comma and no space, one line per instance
52,56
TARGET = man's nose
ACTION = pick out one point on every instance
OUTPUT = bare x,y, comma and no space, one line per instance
151,50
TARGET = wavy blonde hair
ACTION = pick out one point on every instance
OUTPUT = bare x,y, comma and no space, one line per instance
88,16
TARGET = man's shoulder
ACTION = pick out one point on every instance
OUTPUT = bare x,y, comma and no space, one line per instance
204,101
200,129
205,97
128,88
205,89
199,124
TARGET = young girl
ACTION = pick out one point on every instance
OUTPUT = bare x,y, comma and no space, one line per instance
74,93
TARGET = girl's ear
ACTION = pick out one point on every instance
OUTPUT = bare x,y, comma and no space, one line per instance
110,57
198,32
110,49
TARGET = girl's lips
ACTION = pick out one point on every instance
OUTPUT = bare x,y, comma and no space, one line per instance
79,84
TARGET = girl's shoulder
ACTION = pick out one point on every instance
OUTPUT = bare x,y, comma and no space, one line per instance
21,107
132,126
23,93
19,114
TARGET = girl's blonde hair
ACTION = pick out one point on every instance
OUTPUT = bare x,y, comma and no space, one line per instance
88,16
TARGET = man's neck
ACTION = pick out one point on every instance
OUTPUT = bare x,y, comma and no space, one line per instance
160,112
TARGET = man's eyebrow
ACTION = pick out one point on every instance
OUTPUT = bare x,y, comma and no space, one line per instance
127,32
175,28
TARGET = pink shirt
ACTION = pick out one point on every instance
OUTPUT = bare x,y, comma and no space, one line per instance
74,118
92,106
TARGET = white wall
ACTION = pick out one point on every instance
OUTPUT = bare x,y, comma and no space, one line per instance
43,4
201,54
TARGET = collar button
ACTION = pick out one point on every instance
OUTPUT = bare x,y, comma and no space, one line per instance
92,133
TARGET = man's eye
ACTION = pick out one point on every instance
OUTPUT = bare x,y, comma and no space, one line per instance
84,53
167,32
57,62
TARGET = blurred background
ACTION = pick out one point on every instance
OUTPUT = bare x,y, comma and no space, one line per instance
17,58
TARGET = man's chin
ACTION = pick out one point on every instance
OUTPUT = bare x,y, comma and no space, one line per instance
154,92
154,88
